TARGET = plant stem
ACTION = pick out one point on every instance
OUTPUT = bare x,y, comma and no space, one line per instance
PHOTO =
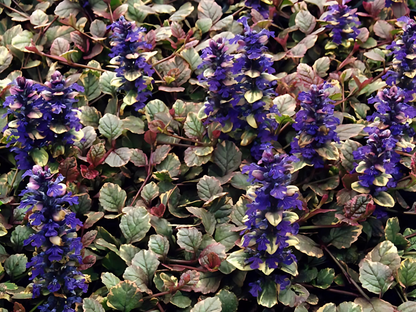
338,291
317,227
13,180
349,278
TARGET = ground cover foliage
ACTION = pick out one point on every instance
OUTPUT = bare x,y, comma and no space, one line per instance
207,156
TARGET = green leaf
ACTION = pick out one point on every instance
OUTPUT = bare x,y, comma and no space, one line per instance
293,295
321,66
204,24
182,13
66,8
268,296
325,278
227,157
193,127
224,234
208,187
159,244
15,265
110,126
153,107
349,307
127,252
305,21
207,218
238,259
135,223
229,301
98,29
147,261
22,40
139,158
5,58
160,154
150,191
192,57
392,233
119,157
171,165
308,246
212,304
209,9
407,272
384,199
407,307
385,253
285,104
125,297
253,95
134,124
20,233
92,305
343,237
383,29
40,156
91,83
112,197
136,275
375,276
180,300
348,131
109,279
375,305
329,307
189,239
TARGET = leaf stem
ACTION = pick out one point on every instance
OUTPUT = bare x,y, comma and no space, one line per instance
338,291
349,278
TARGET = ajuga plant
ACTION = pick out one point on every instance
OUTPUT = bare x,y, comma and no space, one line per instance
57,255
253,71
316,124
217,63
377,162
342,22
269,220
133,72
44,119
404,65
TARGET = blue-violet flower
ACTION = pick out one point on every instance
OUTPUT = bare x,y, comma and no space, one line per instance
315,124
58,249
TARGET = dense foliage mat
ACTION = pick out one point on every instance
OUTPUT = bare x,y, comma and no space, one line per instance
207,156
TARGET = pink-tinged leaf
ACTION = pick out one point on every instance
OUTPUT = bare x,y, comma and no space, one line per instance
188,280
158,211
95,154
80,42
156,126
87,262
88,238
211,257
59,46
150,137
357,209
120,11
88,172
96,50
171,89
383,29
92,218
344,195
177,30
306,76
68,168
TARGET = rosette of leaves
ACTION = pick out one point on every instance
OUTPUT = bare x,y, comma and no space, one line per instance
55,264
316,124
134,73
45,120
